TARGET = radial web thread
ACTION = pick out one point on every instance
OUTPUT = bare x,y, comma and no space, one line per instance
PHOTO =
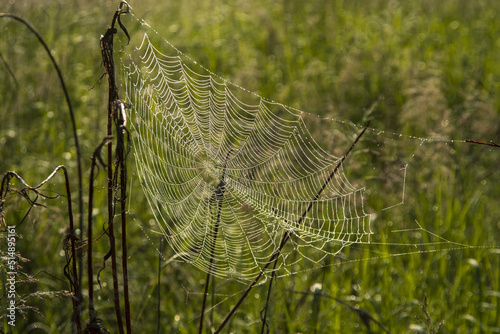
193,131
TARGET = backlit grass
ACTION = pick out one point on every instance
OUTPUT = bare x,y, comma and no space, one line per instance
432,65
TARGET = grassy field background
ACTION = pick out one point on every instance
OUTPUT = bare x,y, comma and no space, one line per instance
432,65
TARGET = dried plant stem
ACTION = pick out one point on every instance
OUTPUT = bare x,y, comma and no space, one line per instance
111,233
217,197
481,143
123,214
121,162
265,326
288,234
107,55
116,113
158,324
90,272
73,278
73,238
75,134
209,273
93,325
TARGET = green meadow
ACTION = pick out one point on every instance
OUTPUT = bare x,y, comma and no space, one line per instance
425,75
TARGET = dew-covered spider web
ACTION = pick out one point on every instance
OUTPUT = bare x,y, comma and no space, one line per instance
196,133
228,172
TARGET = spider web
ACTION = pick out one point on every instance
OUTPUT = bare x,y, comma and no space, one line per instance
227,172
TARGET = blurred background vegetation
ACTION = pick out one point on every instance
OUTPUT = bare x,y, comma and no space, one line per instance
432,65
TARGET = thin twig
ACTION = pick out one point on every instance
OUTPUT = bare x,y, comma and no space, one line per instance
217,196
93,165
159,290
123,215
4,62
266,307
288,234
481,143
73,239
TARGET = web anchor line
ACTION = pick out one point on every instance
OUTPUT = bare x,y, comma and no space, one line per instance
404,168
288,234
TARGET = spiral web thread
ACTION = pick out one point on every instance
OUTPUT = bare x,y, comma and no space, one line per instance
227,172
